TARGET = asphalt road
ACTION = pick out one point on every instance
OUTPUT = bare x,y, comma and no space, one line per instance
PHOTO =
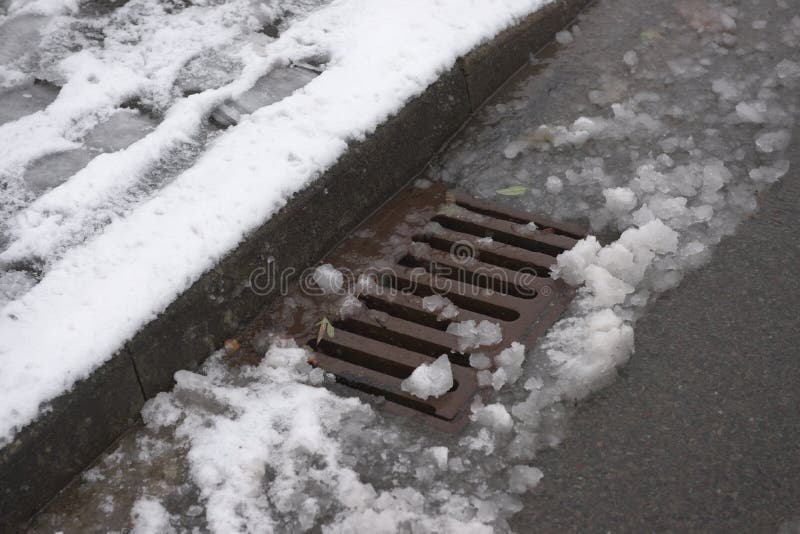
701,432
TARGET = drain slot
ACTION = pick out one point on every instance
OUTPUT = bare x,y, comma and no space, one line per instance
401,311
411,339
463,298
544,243
479,276
535,261
332,347
490,209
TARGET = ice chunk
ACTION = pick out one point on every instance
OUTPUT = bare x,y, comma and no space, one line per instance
523,478
484,378
788,72
515,148
654,236
775,141
755,111
607,289
564,37
316,376
439,455
430,379
588,348
494,416
769,174
572,263
630,58
715,176
665,207
328,279
150,517
472,335
616,259
620,200
725,89
479,360
704,16
443,305
499,379
554,184
510,360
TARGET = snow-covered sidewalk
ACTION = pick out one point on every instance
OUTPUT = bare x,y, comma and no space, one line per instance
91,257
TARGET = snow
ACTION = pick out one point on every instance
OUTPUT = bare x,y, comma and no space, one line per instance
523,478
328,279
493,416
564,37
479,360
430,379
773,141
630,58
108,269
510,361
752,111
472,335
554,184
150,517
443,305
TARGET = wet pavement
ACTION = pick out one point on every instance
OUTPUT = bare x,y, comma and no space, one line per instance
702,430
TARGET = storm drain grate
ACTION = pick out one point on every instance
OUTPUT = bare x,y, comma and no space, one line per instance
491,262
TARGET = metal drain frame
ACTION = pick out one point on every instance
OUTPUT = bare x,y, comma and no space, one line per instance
376,347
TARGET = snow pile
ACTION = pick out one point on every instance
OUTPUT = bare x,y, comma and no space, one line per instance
266,451
98,291
430,379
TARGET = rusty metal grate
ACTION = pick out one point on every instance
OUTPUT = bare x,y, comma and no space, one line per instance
488,260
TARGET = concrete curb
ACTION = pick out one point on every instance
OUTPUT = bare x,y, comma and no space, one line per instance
82,423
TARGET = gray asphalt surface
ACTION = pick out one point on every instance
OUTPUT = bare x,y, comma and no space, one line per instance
701,432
